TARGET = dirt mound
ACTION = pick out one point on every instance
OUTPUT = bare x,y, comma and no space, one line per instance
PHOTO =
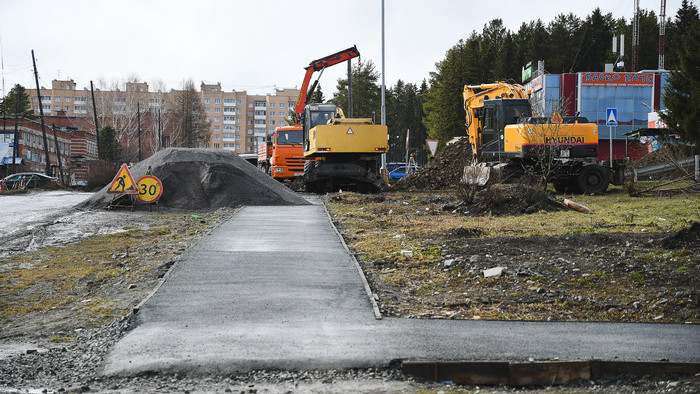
444,171
511,199
205,179
686,238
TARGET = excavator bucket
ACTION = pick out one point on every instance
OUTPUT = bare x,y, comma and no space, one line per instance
480,174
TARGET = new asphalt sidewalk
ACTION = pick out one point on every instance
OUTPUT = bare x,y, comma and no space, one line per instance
274,287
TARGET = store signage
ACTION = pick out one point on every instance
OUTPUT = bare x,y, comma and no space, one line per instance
617,79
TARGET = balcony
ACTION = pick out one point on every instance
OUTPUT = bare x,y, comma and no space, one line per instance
260,108
229,121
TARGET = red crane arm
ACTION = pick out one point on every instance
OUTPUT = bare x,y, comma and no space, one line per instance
317,65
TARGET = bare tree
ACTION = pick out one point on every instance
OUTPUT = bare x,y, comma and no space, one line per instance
188,122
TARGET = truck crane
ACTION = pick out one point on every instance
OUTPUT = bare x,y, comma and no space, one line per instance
506,138
339,152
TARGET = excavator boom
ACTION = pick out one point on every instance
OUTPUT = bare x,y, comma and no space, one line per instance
319,65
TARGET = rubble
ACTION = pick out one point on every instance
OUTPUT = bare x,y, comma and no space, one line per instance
442,172
205,179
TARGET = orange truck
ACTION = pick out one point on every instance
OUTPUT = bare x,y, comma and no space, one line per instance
282,155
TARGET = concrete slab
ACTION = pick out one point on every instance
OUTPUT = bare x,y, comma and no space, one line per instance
274,288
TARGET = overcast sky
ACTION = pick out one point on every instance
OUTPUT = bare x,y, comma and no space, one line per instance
253,45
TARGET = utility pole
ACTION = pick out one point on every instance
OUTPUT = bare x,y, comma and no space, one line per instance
383,89
41,114
138,125
350,89
15,145
97,126
58,154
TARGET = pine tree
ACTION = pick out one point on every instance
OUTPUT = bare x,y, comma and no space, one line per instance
682,95
110,149
9,103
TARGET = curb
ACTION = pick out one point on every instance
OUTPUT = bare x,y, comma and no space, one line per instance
162,280
544,373
368,290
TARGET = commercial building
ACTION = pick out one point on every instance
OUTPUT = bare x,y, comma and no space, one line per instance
65,137
633,95
239,121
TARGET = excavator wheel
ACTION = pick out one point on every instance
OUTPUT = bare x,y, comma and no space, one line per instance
593,179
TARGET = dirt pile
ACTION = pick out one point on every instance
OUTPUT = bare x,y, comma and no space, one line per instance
205,179
685,238
511,199
444,171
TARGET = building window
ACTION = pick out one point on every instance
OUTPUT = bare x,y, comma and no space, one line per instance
250,131
217,136
217,119
206,101
68,99
206,109
238,137
238,102
250,105
250,122
217,101
217,110
272,123
250,140
250,113
216,145
238,128
229,101
238,146
217,128
281,105
57,108
229,136
238,110
228,127
57,99
67,108
272,105
260,103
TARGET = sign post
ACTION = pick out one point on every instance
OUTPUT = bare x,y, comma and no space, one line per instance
611,121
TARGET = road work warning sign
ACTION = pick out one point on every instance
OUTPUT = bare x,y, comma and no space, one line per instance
123,182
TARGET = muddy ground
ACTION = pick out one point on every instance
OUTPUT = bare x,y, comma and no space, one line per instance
426,258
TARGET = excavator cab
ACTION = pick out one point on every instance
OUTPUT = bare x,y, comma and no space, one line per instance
317,114
495,115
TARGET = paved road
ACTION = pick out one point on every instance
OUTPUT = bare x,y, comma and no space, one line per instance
273,287
21,211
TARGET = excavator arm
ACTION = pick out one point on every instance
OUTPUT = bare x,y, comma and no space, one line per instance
320,65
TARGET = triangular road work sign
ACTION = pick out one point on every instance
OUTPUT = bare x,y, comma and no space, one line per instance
432,145
123,182
350,131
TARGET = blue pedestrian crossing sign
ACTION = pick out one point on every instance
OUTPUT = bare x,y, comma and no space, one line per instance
611,117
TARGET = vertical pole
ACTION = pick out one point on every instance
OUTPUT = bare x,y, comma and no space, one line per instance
160,132
611,157
97,126
350,89
15,145
697,168
58,154
41,114
138,125
383,88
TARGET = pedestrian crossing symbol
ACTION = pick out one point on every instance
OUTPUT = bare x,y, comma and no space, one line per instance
123,182
611,117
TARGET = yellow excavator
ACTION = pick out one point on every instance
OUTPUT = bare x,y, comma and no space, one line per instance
507,140
340,152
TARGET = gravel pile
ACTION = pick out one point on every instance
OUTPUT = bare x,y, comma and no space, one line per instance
205,179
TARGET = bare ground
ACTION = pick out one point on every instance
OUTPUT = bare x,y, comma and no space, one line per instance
425,262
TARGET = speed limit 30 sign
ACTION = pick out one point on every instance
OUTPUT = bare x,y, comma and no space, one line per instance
150,188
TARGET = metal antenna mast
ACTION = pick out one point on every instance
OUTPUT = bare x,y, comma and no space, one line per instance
662,34
635,36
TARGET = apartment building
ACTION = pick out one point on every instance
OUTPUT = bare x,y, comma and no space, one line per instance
238,121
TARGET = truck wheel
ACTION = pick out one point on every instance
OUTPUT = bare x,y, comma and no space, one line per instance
593,179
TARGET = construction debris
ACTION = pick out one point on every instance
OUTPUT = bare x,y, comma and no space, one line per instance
442,172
